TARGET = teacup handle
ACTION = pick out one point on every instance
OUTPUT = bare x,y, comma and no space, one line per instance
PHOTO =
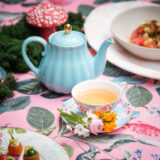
124,86
24,45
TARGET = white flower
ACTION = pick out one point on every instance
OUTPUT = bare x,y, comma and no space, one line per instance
69,127
86,121
81,130
91,115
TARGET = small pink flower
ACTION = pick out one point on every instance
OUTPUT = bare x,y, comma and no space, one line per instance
96,126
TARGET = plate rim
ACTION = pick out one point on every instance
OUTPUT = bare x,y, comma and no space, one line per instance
142,70
2,128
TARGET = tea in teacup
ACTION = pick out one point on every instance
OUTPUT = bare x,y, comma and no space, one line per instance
97,96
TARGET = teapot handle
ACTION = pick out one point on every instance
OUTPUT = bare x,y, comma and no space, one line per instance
25,57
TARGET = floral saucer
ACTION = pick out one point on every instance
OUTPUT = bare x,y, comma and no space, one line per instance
123,111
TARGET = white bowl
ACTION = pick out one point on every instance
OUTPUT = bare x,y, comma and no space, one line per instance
126,22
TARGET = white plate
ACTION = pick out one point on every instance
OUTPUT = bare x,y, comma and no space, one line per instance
47,148
97,29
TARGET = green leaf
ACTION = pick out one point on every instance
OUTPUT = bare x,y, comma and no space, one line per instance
15,104
138,96
10,131
30,86
2,73
47,131
85,9
40,118
71,118
113,71
3,150
69,149
52,95
62,128
127,154
20,130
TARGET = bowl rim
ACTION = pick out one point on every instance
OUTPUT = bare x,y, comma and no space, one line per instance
127,42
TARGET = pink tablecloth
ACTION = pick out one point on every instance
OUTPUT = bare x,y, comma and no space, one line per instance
139,139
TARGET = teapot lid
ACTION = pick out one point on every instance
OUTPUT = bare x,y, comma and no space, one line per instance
67,37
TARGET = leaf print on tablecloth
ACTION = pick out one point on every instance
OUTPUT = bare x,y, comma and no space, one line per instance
40,118
156,1
113,71
106,1
68,148
12,1
127,154
102,138
158,91
31,4
138,96
137,80
90,154
85,9
52,95
47,131
62,128
119,143
144,129
15,104
2,73
30,86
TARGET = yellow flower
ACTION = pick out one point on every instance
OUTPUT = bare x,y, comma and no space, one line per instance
114,117
107,116
108,127
98,114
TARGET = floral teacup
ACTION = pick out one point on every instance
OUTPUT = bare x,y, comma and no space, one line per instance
97,84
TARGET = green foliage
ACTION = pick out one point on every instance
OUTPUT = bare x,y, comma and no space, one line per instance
20,30
6,87
10,81
76,20
5,92
12,38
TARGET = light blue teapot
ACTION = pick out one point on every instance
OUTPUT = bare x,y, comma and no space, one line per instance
66,60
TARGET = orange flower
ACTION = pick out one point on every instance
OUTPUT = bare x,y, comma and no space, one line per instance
114,117
107,116
108,127
98,114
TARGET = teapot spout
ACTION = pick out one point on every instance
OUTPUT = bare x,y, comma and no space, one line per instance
100,57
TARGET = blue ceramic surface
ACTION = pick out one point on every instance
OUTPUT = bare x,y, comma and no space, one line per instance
66,60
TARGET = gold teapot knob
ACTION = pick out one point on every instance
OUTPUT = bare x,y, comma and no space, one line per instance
67,28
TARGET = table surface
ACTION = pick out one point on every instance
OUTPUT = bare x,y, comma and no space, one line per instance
139,139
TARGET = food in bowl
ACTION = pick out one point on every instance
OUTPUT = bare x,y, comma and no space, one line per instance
127,21
147,34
